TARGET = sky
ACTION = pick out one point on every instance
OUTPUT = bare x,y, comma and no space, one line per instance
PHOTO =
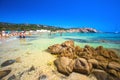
104,15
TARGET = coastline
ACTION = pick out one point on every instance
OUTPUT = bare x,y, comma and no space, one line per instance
33,53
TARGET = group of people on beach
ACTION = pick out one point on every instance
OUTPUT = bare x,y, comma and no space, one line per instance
20,34
4,34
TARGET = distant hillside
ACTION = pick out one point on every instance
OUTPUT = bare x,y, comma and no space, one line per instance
27,27
13,26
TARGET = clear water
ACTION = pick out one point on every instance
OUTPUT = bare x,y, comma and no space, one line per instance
108,40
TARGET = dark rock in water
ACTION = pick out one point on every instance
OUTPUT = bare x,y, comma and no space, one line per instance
8,62
4,73
43,77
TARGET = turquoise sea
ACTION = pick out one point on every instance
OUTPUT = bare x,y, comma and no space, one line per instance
107,40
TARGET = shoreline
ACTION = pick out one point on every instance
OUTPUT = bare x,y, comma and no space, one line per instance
31,54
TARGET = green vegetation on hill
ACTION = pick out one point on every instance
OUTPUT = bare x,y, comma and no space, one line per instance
26,27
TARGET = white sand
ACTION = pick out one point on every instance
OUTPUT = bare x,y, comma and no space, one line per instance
30,53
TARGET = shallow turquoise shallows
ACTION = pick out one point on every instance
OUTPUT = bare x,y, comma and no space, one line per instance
42,41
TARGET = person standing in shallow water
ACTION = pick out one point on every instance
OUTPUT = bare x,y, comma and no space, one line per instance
20,35
60,33
24,35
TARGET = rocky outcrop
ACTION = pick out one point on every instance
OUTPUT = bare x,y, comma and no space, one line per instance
82,30
73,58
64,65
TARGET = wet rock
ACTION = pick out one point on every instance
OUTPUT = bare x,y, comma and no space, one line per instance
4,73
64,65
7,63
82,66
43,77
55,49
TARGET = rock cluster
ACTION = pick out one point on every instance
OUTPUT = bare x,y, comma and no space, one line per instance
85,60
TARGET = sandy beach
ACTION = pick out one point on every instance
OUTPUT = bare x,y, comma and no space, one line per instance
28,54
